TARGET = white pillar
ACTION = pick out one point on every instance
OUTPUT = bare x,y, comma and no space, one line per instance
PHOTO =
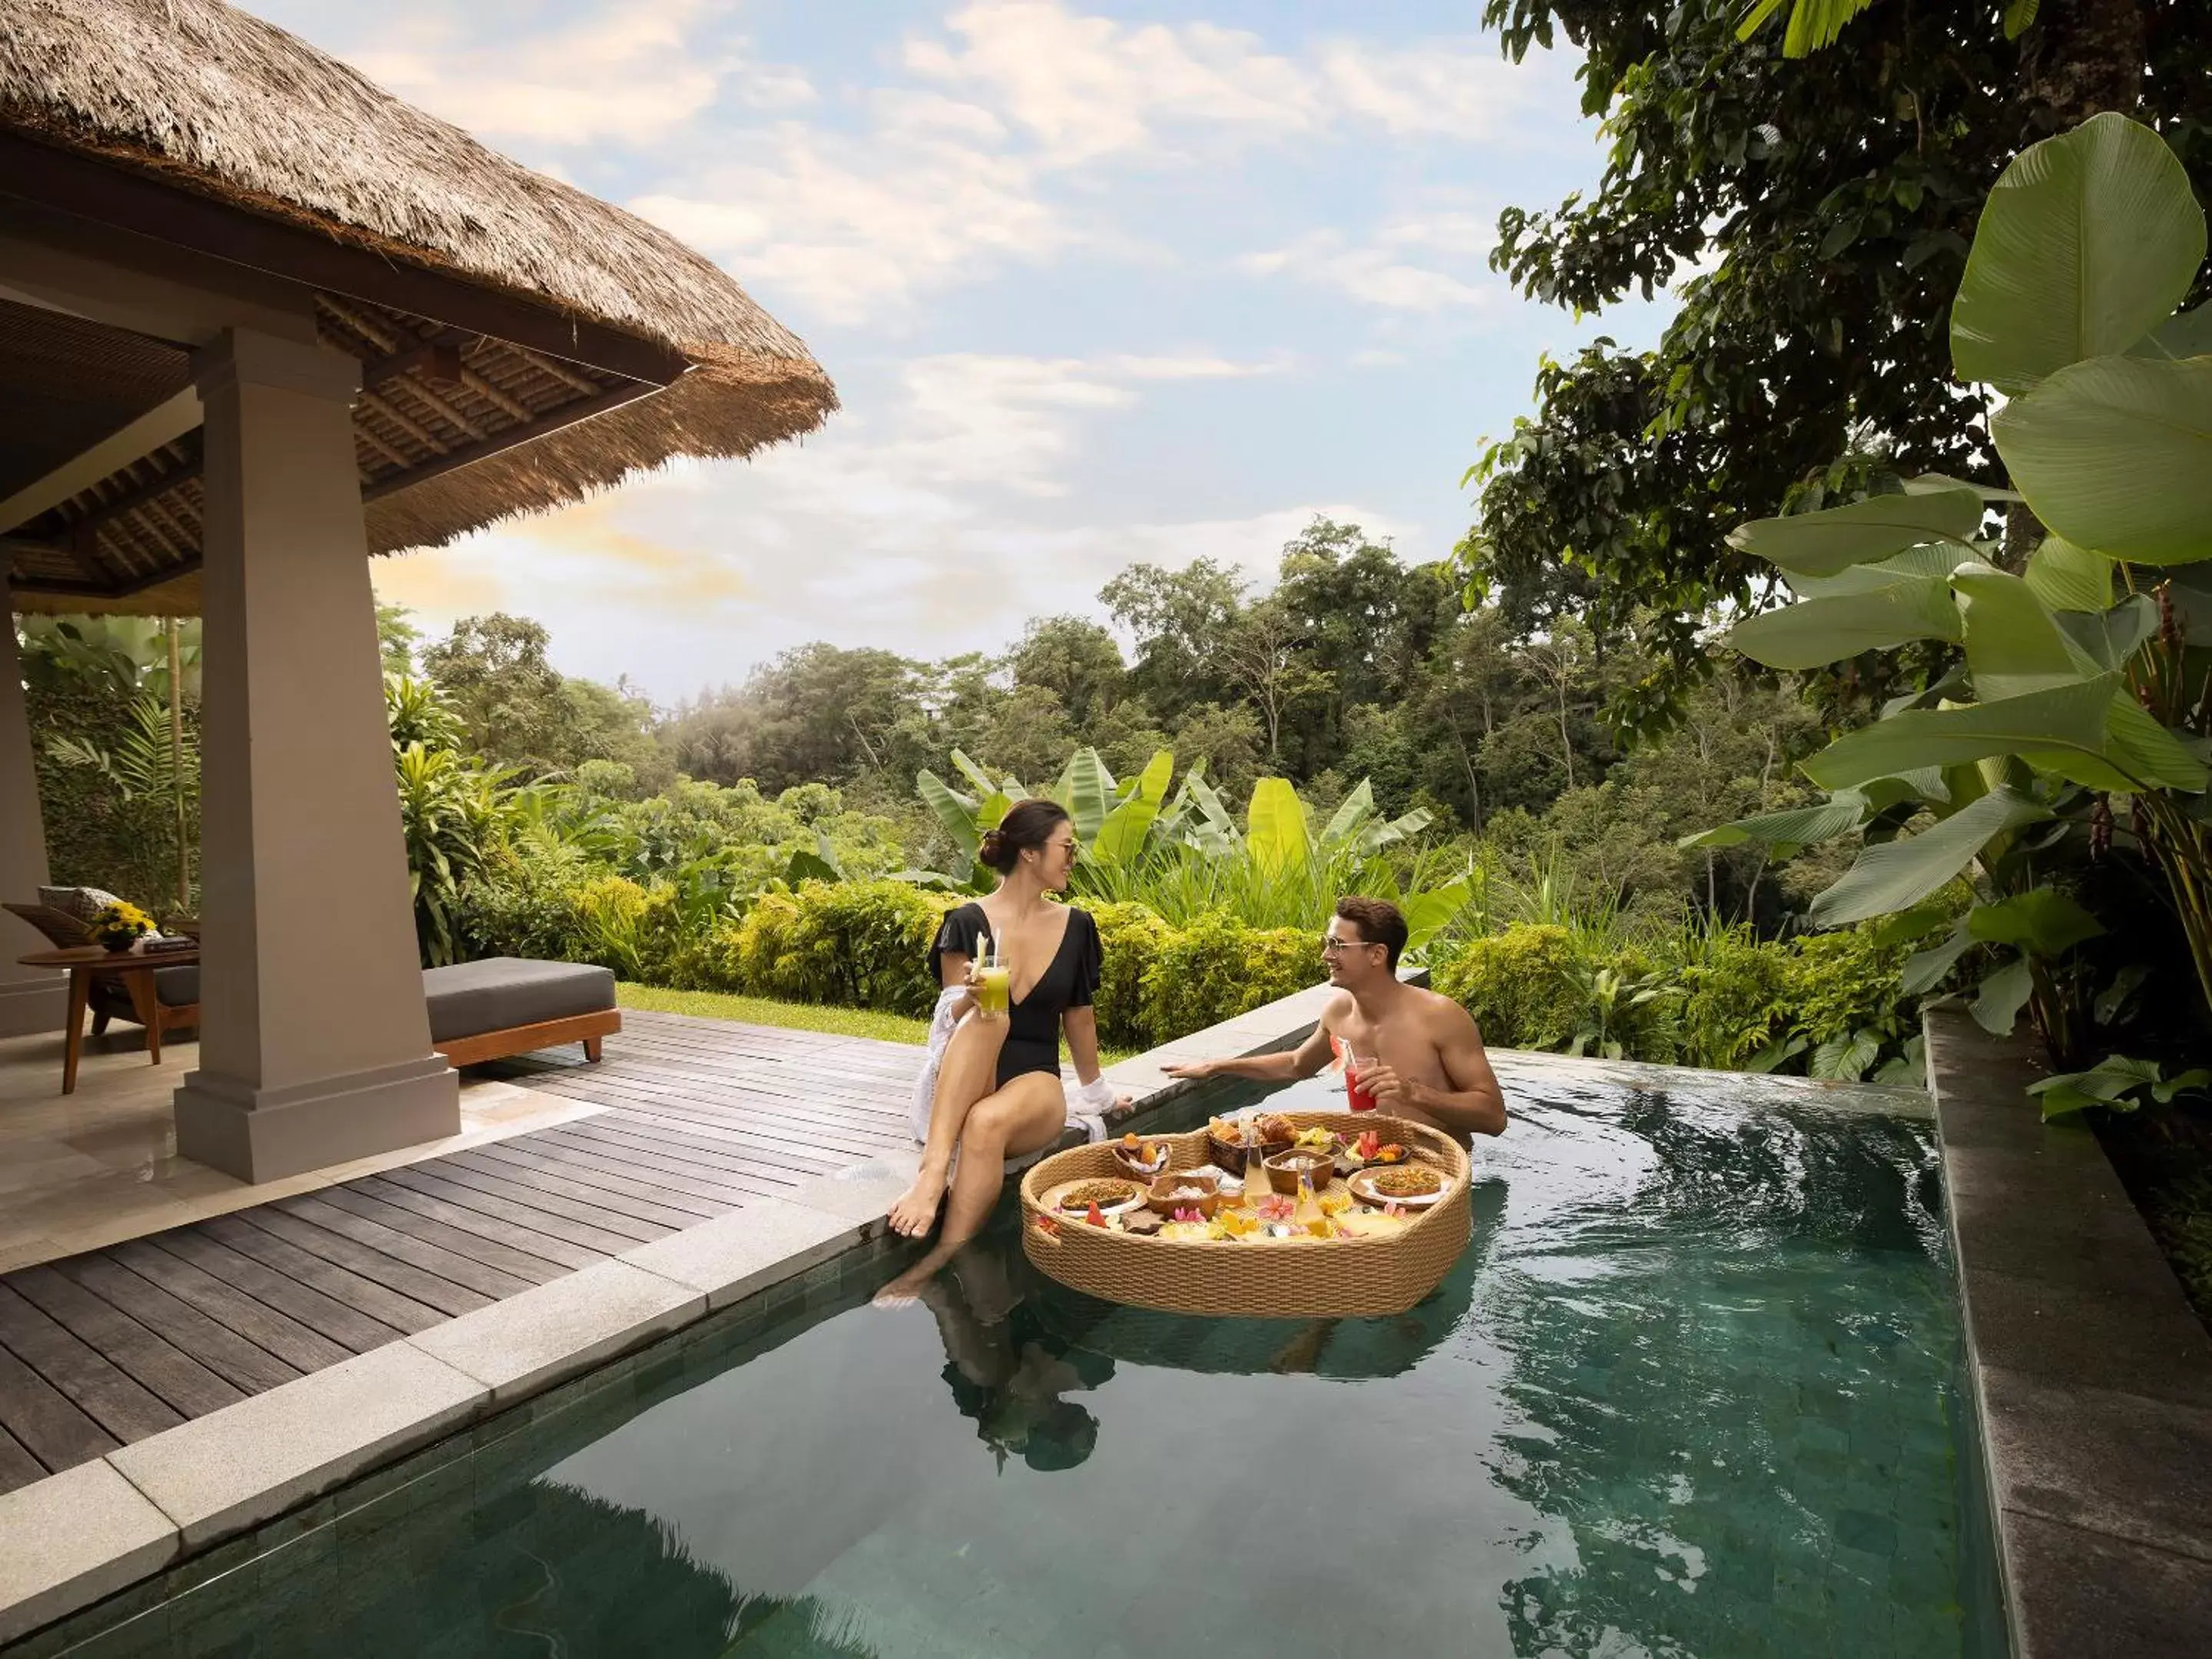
31,999
314,1043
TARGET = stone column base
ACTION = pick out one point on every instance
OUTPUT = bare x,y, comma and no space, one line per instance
266,1134
31,1005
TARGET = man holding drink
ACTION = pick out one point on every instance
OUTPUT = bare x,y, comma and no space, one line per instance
1408,1052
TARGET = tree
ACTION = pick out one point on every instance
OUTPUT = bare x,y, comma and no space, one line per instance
1832,198
1075,659
397,637
1178,619
1263,659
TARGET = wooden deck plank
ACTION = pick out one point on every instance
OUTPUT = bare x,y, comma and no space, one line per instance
417,1285
269,1328
609,1194
50,1428
443,1201
659,1172
483,1239
238,1361
245,1234
628,1137
439,1179
692,1118
765,1126
17,1466
173,1377
490,1283
127,1410
775,1103
348,1327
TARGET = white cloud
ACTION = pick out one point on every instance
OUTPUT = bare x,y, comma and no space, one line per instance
1432,264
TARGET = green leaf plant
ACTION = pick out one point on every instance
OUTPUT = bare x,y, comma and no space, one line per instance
2081,697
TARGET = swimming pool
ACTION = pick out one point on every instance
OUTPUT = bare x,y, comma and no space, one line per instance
1692,1390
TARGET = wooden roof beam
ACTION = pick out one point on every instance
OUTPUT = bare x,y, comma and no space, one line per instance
134,440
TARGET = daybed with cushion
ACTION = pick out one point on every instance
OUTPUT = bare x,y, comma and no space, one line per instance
479,1011
504,1006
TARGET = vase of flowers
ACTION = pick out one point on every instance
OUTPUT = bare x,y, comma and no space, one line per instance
120,926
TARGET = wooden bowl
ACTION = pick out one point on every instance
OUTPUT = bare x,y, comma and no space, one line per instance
1157,1195
1135,1169
1284,1168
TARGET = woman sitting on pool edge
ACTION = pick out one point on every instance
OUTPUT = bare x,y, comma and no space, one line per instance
998,1094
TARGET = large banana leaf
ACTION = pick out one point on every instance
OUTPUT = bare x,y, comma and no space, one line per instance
2013,644
1121,838
1275,828
1823,630
2116,454
956,813
1425,913
2109,637
2068,577
1900,873
2088,242
1351,812
2042,920
2066,718
984,782
1860,532
2145,753
1086,790
1374,836
1798,827
1936,561
2188,335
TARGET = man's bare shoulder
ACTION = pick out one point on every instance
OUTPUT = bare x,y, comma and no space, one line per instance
1333,1012
1440,1014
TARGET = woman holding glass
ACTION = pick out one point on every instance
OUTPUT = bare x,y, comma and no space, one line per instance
1018,970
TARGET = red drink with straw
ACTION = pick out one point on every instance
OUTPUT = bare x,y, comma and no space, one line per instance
1354,1065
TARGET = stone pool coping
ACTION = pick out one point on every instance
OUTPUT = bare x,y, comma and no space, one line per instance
2092,1376
79,1536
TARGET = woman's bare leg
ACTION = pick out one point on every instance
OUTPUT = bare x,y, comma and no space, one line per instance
1028,1113
967,1072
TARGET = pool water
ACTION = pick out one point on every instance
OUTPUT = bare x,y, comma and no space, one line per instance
1692,1390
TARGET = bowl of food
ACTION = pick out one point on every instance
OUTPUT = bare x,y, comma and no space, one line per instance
1409,1184
1141,1160
1186,1190
1109,1197
1287,1170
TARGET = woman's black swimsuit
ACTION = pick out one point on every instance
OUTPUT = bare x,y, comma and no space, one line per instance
1033,1024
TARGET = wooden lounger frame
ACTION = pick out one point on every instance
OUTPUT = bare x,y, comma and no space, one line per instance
587,1029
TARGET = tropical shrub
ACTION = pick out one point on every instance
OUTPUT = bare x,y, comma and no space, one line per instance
860,944
1522,986
1215,968
1132,938
2081,701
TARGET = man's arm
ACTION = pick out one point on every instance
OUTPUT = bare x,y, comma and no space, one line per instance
1286,1065
1473,1104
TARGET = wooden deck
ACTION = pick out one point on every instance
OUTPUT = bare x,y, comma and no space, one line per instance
101,1349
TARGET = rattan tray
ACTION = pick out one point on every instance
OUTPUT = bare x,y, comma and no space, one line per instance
1288,1279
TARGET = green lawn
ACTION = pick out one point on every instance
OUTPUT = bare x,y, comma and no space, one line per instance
798,1015
763,1011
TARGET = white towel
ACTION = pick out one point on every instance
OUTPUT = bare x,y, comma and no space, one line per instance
1086,1106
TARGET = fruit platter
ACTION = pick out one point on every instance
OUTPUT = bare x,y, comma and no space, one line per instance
1269,1215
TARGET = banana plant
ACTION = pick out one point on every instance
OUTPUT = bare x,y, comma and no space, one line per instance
2083,682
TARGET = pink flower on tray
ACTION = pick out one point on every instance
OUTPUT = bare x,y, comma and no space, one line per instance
1189,1214
1278,1207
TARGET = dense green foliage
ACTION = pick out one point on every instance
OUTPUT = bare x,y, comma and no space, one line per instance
1826,204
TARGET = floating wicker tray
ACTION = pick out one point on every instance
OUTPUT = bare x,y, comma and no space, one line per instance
1269,1279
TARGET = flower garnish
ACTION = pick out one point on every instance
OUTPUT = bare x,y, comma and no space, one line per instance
1277,1207
1189,1214
1336,1202
1393,1208
1047,1225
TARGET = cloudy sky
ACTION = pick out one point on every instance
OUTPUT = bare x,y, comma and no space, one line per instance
1096,282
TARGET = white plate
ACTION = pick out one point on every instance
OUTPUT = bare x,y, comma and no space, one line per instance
1366,1194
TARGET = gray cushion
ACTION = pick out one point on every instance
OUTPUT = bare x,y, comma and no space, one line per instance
499,993
174,987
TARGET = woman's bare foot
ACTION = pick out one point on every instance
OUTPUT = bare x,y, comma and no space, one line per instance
915,1213
909,1286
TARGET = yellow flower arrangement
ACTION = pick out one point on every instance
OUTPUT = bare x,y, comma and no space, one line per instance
116,926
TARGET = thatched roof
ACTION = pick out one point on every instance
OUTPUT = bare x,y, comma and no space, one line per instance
198,97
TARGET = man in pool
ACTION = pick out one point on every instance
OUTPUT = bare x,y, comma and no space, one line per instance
1426,1057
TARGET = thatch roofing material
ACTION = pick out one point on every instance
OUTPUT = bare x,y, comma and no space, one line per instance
209,100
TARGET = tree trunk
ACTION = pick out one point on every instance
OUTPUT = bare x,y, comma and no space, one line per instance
2082,58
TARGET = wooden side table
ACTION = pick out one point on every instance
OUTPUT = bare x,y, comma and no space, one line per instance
84,961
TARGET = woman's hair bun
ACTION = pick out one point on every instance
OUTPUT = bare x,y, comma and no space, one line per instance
990,848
